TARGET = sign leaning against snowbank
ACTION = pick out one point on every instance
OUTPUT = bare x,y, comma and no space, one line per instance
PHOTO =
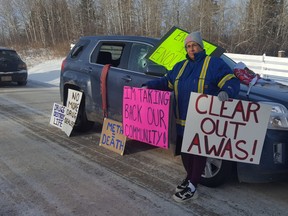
58,115
64,117
112,136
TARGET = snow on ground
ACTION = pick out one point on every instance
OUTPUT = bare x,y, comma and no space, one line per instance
47,71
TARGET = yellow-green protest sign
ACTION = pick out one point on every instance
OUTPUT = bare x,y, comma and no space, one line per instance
171,48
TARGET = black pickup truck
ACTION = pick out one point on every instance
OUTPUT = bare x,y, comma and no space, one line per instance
83,68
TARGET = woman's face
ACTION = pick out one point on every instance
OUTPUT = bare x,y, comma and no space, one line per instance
192,48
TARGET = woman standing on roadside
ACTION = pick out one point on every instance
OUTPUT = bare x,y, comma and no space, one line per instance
198,73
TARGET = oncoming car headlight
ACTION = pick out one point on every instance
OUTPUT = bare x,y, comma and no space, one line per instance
278,117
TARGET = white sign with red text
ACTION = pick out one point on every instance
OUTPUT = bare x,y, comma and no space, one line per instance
231,130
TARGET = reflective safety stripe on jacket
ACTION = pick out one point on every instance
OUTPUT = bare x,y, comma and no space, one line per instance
200,85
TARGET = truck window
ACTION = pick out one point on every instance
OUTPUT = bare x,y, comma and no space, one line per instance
110,54
78,48
137,58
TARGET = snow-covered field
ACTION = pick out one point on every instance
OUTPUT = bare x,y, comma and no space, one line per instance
47,71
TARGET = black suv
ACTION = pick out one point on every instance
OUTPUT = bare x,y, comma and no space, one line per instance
12,68
82,71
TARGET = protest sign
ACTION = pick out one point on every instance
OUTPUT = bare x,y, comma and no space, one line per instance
231,130
71,112
57,116
112,136
146,115
171,48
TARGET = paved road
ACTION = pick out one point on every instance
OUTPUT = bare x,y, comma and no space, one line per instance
43,172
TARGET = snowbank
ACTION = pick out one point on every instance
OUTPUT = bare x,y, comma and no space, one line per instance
47,71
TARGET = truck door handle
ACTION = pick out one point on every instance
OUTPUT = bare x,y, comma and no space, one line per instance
127,78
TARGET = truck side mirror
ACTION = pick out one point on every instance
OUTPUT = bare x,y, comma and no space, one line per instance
156,70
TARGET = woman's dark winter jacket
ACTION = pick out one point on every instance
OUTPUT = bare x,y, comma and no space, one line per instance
194,78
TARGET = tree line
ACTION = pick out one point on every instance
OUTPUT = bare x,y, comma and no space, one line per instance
243,26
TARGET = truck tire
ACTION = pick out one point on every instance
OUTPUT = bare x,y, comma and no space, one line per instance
216,172
82,124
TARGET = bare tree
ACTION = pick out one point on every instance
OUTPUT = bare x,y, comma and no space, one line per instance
261,25
251,27
11,21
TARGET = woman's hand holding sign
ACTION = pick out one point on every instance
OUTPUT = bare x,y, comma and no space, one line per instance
223,96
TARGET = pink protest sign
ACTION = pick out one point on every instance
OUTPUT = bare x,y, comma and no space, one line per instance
146,115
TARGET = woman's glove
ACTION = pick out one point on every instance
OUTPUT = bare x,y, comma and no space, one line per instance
223,96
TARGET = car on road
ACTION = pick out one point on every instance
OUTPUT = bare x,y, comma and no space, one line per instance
125,56
12,67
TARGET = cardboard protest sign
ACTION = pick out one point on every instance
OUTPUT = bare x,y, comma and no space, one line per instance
112,136
146,115
231,130
171,48
71,112
57,116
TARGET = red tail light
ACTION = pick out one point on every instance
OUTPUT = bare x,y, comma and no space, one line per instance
22,66
63,65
